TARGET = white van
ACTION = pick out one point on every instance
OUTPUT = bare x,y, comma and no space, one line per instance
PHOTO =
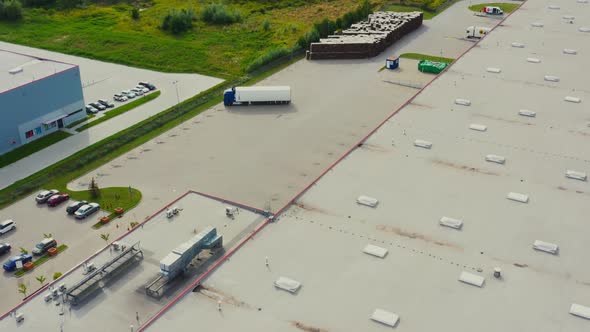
477,32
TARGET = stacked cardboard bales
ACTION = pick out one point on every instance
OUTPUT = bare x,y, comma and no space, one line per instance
366,39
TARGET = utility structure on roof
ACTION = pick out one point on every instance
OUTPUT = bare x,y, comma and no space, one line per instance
38,96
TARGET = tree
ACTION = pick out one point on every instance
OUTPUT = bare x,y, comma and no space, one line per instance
22,288
135,13
94,189
11,10
47,235
56,275
105,237
41,279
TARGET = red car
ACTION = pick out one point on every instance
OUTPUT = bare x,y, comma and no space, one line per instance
56,199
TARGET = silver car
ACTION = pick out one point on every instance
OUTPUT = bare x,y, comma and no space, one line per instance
129,94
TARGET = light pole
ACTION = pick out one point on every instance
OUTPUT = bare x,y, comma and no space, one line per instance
176,86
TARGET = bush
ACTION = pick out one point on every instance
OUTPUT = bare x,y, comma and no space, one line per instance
38,3
432,5
56,275
68,4
266,25
218,13
135,13
11,10
267,57
308,38
178,21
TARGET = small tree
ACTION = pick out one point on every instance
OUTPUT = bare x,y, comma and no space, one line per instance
41,279
93,187
47,235
23,250
11,10
22,288
135,13
56,275
105,237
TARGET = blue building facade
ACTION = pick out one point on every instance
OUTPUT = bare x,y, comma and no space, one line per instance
39,108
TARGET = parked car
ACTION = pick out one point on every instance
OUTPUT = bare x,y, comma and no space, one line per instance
86,210
98,106
106,103
148,85
7,225
4,248
56,200
142,88
129,94
74,206
10,264
137,91
43,196
42,247
91,110
119,97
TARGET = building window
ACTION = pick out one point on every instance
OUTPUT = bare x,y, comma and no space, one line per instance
38,131
29,134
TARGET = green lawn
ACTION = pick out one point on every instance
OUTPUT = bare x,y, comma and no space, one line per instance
120,110
28,149
418,56
506,7
107,32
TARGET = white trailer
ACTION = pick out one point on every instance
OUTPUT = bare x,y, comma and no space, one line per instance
477,32
257,95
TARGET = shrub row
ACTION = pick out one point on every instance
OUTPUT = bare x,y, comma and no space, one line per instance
218,13
10,10
177,21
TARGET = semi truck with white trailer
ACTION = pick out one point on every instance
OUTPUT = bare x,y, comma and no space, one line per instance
477,32
257,95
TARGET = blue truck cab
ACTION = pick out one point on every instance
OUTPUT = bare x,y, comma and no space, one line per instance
10,264
229,97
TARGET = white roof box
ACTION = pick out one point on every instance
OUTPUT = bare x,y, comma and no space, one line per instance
493,70
553,7
518,197
472,279
584,29
547,247
551,78
580,311
451,222
495,159
478,127
572,99
537,24
575,175
533,60
15,71
368,201
290,285
375,251
530,114
422,144
517,45
385,317
570,51
463,102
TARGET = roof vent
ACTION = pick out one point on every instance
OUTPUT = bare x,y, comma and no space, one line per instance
518,197
533,60
495,159
518,45
464,102
16,70
584,29
385,317
422,144
375,251
537,25
493,70
472,279
572,99
551,78
547,247
569,51
451,222
575,175
478,127
568,17
582,1
530,114
553,7
580,311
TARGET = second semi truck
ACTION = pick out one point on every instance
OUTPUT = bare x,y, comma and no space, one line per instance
257,95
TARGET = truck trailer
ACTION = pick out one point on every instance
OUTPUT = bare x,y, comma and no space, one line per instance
477,32
257,95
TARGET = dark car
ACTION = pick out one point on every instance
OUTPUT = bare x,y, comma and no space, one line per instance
74,206
4,248
106,103
42,247
98,106
55,200
10,264
148,85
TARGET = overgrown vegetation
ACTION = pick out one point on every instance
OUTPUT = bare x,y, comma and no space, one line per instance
218,13
178,21
28,149
11,10
268,57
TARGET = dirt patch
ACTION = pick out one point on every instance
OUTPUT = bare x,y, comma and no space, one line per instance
416,236
217,295
307,328
462,167
311,208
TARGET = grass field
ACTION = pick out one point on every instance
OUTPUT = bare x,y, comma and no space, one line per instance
418,56
120,110
109,33
506,7
28,149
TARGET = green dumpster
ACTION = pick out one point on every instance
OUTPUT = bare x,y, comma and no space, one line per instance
427,66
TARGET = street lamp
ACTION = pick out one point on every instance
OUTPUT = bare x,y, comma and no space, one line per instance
176,86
